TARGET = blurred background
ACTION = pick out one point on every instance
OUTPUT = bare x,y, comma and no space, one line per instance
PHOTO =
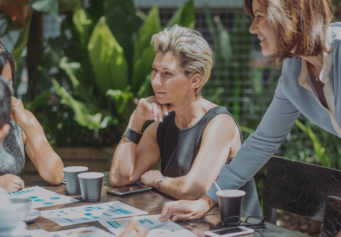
82,65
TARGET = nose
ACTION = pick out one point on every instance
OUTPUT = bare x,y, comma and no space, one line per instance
253,27
156,80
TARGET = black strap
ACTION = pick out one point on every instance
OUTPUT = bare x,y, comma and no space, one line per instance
131,135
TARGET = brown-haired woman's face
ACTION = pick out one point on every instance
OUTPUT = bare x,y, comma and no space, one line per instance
7,73
261,27
168,79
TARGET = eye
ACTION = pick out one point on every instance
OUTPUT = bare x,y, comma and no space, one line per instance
168,73
259,17
154,69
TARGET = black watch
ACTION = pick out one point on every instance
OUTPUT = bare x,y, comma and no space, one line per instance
131,135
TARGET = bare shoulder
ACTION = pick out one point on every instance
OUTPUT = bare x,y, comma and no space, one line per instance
221,126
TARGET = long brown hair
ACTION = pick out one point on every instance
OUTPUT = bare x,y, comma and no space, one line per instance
300,25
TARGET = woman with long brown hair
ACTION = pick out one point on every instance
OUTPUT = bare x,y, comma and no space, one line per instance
300,33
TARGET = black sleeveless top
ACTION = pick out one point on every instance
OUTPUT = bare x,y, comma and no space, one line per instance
179,148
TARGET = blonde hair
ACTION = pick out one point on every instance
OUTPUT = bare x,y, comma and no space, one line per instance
192,49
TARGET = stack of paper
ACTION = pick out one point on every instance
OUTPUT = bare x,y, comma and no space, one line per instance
83,214
41,197
151,223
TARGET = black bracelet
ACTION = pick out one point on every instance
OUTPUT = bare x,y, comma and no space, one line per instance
131,135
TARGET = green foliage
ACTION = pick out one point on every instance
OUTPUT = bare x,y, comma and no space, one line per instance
223,53
107,59
22,40
47,6
184,16
98,67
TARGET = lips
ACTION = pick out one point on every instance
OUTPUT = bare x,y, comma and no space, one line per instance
160,93
261,39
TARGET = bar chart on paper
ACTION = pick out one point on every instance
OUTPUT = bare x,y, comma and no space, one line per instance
83,214
41,197
151,223
89,231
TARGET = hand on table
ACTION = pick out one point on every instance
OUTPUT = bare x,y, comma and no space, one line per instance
183,210
129,231
150,178
11,183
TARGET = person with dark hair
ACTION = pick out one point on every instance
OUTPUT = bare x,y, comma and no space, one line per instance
299,32
5,108
25,134
10,223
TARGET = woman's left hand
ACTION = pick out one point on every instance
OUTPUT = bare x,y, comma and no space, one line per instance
18,112
150,178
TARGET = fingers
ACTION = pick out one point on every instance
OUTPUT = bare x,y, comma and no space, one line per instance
155,111
144,103
13,188
183,217
164,109
21,183
141,232
168,209
132,225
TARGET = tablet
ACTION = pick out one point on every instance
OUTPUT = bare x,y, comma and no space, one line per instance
136,188
229,232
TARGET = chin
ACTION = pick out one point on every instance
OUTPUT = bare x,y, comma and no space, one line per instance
161,100
267,52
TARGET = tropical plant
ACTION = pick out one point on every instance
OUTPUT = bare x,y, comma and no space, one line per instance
99,67
231,56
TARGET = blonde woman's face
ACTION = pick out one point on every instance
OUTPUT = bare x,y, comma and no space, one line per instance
260,26
168,79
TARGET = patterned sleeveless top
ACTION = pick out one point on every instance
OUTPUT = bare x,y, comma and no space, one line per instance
12,153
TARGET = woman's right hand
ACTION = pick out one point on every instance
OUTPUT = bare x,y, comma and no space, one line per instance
149,109
11,183
132,230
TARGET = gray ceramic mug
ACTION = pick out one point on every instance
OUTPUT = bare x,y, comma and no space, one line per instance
230,205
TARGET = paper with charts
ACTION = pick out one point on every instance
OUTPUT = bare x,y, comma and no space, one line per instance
151,223
89,231
42,197
89,213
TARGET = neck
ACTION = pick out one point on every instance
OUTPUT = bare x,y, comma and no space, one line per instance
316,62
187,111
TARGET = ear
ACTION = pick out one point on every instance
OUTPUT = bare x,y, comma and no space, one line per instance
3,132
195,80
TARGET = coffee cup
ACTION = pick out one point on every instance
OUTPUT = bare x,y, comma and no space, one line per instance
22,206
230,205
71,178
91,186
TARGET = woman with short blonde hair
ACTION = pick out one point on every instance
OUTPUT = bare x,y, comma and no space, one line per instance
301,32
194,140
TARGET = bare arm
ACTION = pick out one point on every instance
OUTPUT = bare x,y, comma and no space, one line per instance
131,160
44,158
47,162
219,137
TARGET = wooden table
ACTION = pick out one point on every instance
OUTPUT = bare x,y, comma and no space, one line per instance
150,201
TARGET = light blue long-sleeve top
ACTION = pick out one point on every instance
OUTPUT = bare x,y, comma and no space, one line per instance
294,95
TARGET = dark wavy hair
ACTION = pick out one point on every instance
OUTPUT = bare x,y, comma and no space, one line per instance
300,25
6,57
5,101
